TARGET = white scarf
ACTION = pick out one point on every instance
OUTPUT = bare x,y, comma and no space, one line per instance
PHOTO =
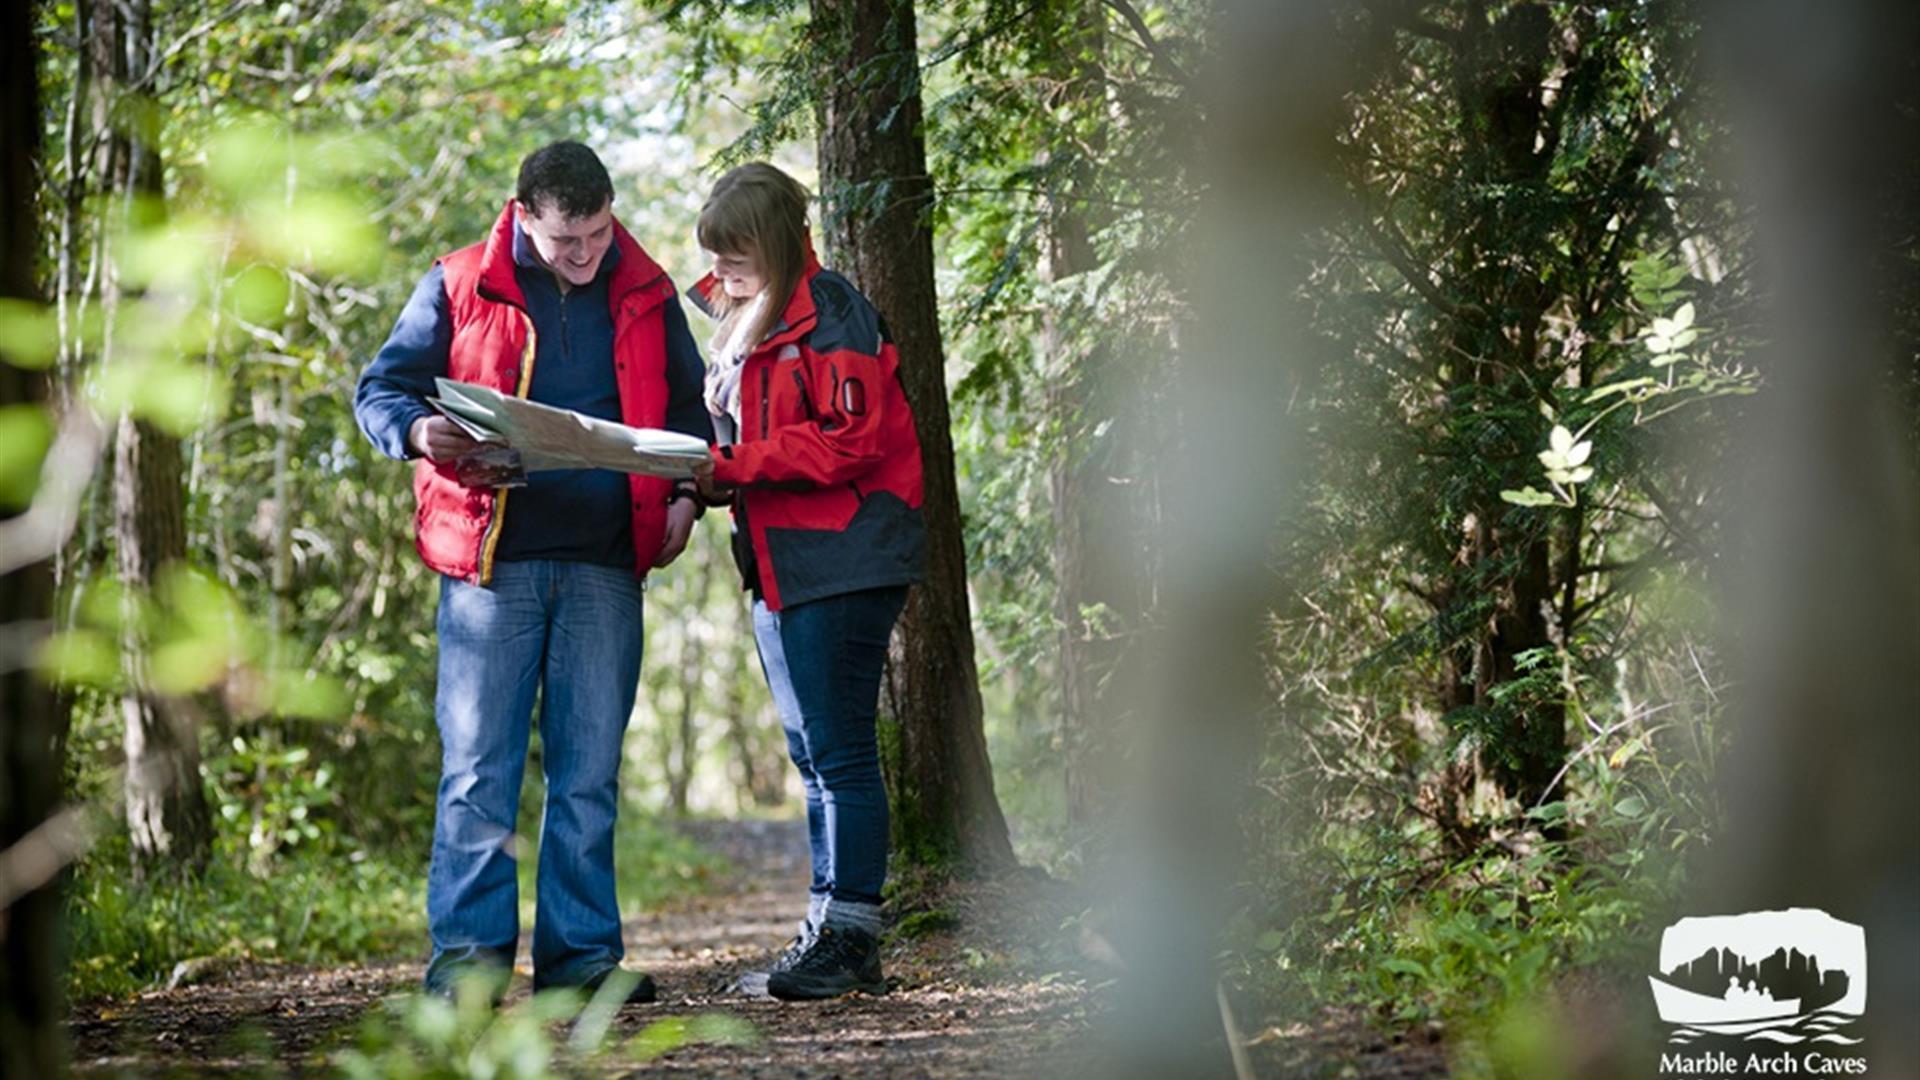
723,378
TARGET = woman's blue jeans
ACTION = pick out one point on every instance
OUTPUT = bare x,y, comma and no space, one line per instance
823,661
570,631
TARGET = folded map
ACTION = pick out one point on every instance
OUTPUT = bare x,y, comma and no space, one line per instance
550,438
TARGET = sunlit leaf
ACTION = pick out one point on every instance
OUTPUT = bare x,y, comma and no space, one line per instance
1626,752
173,394
323,229
104,603
25,433
81,657
258,293
198,601
307,696
176,255
1528,497
1621,387
189,664
29,334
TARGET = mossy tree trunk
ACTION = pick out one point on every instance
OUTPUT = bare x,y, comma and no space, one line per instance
873,175
166,807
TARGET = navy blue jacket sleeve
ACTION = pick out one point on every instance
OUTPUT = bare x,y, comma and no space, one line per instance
686,377
392,391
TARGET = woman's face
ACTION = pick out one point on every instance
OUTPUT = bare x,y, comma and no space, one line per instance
739,273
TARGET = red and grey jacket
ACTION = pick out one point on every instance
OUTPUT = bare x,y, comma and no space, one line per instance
457,528
826,459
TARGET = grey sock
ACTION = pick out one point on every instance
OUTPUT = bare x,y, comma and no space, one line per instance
853,913
816,913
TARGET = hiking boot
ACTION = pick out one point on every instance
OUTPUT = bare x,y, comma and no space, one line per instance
839,959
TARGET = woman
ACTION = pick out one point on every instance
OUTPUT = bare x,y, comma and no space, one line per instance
817,448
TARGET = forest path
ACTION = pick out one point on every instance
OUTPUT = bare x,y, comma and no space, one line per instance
982,994
951,1010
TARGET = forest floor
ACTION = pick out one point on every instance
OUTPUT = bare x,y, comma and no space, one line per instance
972,993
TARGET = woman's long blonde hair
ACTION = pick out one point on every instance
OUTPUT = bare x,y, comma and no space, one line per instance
757,210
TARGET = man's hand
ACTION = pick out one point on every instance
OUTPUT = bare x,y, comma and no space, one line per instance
680,515
440,439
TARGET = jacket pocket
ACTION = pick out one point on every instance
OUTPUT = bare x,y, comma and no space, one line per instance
806,400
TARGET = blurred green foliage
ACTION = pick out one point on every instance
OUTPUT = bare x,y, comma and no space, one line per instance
429,1038
318,156
315,159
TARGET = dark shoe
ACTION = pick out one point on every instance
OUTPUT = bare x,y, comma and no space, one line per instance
643,992
754,982
840,959
472,981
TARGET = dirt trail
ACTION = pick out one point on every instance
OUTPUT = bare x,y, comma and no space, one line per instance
976,998
949,1013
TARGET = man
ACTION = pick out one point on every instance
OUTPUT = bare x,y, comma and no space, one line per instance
540,586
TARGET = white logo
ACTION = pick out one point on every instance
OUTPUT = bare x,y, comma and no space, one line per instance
1784,977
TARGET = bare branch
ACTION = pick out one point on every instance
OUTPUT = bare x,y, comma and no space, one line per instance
1155,49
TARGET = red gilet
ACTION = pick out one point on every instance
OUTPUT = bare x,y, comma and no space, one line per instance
456,528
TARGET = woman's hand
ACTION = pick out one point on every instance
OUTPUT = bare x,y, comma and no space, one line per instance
704,486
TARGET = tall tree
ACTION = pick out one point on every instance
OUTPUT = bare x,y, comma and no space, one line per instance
166,806
1087,574
31,732
873,174
1504,193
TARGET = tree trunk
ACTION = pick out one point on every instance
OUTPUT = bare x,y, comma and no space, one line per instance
167,815
1087,648
33,728
1821,583
873,176
761,773
1501,66
684,739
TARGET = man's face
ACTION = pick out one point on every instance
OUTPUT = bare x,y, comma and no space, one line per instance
570,246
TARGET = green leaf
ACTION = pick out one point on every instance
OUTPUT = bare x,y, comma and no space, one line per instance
29,335
1626,752
1527,496
1621,387
1400,965
307,695
25,433
81,657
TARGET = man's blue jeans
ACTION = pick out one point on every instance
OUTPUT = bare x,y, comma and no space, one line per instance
823,661
572,632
